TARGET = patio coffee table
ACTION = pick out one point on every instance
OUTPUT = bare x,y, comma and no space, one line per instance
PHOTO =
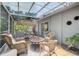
36,39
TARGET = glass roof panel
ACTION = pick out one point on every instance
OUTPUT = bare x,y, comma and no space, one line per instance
52,5
25,6
28,8
49,7
11,5
37,6
42,12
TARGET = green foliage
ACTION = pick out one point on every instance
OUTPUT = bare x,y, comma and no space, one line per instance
73,40
21,27
3,24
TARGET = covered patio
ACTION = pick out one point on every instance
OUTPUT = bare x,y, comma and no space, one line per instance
39,28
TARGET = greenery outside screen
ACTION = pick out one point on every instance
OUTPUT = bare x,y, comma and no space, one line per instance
3,23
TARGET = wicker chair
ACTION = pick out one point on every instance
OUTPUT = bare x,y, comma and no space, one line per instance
48,46
21,45
50,36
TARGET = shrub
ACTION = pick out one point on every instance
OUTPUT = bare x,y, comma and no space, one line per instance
73,40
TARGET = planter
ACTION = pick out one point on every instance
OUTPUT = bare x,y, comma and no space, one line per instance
73,48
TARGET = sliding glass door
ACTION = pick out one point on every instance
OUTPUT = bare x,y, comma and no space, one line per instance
44,28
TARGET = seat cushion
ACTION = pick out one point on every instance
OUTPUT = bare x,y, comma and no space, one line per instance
46,48
18,42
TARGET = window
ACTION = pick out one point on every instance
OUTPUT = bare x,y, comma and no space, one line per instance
69,22
3,23
46,26
76,18
4,20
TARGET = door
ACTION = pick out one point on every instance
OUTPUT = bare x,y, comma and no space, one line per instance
44,28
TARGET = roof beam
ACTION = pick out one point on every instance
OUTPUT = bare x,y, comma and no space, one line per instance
18,6
54,8
5,8
20,15
52,11
42,7
31,6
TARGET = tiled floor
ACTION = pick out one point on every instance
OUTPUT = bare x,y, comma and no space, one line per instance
34,51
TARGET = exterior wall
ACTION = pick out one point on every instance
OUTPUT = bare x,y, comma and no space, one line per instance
73,28
58,24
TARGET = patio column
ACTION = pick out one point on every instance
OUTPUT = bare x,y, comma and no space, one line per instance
38,28
8,23
11,25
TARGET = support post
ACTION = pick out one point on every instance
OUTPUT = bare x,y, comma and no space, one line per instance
8,23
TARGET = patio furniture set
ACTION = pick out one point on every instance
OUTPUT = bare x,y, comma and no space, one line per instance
46,44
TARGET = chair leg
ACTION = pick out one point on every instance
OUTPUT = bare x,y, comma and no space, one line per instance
40,50
54,53
18,54
26,51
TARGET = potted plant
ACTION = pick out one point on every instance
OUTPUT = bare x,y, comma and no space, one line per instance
73,40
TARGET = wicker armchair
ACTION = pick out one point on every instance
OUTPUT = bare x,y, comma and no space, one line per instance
50,36
48,47
21,45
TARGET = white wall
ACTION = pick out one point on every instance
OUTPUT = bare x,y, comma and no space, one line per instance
74,27
58,24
